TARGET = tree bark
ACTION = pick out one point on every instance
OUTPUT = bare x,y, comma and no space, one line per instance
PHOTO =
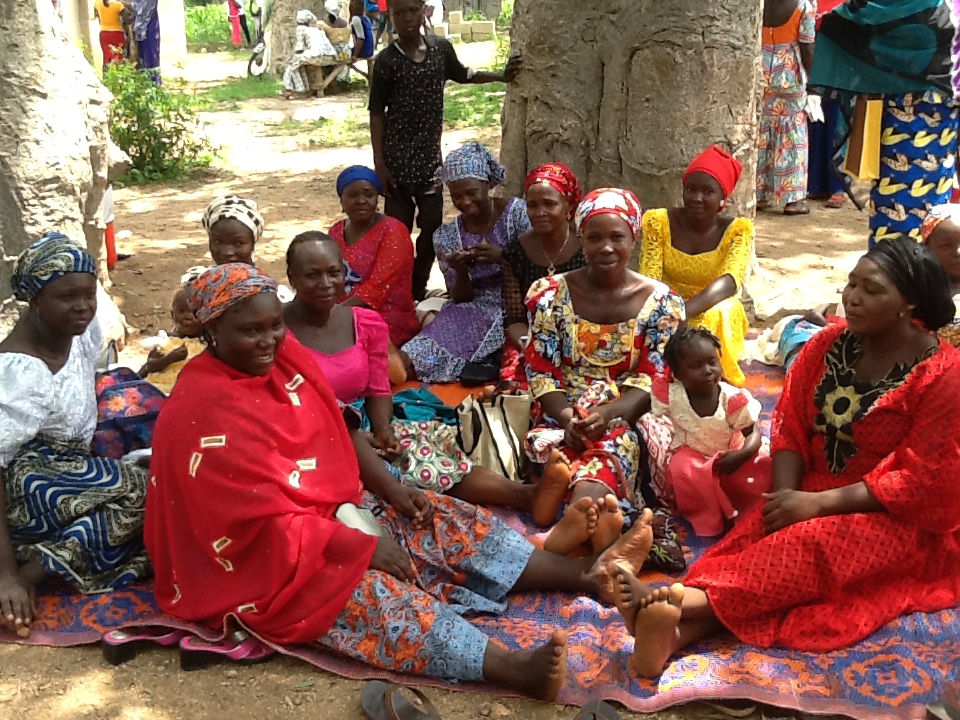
54,118
627,92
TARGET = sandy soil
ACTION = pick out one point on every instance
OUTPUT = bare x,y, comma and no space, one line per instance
803,262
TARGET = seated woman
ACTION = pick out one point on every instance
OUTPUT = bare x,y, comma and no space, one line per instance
65,513
552,193
704,255
378,250
941,233
234,226
312,47
350,345
597,337
469,249
863,473
275,558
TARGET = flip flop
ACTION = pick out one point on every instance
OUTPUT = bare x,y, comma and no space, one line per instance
836,201
121,646
802,210
196,653
598,710
382,701
733,708
942,711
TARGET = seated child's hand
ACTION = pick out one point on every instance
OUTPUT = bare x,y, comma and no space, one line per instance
730,461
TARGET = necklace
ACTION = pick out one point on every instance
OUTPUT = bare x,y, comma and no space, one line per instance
552,264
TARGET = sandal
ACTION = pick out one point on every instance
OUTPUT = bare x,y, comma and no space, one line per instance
836,201
197,653
382,701
796,208
121,646
942,711
598,710
733,708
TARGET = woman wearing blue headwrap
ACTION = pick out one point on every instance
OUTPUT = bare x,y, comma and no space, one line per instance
470,329
63,512
378,253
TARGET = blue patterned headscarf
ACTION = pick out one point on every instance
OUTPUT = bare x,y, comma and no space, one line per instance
48,259
473,162
354,173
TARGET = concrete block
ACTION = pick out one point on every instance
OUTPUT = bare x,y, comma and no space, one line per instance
460,28
455,39
484,27
481,37
455,17
441,30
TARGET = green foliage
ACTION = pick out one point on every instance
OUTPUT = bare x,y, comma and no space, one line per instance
156,126
506,15
474,15
238,90
474,105
208,28
503,49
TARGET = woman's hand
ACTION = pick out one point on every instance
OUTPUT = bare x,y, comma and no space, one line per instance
573,437
16,604
411,503
487,254
461,260
391,558
784,508
593,426
386,444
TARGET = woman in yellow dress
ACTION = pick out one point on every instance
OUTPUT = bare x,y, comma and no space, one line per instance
703,255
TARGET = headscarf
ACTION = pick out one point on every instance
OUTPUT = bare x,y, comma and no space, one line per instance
222,287
939,214
48,259
919,277
473,161
305,17
355,173
238,208
718,164
857,50
612,201
560,178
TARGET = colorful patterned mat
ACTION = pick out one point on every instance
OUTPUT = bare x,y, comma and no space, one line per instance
890,676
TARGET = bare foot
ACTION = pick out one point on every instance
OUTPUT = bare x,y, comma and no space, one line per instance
609,524
628,593
551,488
657,630
577,525
541,673
629,552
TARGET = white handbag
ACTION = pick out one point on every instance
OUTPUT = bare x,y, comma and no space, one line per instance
491,432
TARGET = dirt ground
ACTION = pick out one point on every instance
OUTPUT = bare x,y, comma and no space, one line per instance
802,263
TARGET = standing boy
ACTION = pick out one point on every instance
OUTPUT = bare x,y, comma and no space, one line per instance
406,124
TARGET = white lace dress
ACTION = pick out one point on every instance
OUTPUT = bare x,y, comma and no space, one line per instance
80,516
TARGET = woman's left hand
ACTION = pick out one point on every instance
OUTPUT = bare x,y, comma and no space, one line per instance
386,444
487,254
412,503
784,508
592,427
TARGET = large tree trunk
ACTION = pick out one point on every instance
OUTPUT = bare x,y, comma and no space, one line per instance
282,32
627,91
54,120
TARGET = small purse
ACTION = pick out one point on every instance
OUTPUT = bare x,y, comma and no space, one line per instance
359,518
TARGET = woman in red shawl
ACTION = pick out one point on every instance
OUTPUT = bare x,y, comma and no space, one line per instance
252,468
863,525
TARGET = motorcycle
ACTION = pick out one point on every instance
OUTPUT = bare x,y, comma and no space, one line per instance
260,59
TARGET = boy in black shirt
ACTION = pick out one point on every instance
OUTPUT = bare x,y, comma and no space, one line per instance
406,124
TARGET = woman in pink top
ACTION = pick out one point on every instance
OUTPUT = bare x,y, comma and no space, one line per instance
350,345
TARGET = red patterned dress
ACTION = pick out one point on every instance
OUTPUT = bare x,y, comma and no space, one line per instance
829,582
383,259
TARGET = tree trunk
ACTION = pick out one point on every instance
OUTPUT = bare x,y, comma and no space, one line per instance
282,32
54,118
626,92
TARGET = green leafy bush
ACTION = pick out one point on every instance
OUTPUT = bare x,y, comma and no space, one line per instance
506,14
208,28
156,126
474,15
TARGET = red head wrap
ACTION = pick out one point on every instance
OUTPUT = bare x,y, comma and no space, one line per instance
718,164
560,178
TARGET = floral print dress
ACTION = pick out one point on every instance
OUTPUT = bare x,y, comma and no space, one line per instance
594,364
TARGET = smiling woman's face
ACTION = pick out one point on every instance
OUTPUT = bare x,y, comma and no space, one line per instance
316,273
248,335
607,242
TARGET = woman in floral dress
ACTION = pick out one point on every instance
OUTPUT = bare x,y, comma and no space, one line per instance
597,336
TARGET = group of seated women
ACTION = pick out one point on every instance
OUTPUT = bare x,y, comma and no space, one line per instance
284,496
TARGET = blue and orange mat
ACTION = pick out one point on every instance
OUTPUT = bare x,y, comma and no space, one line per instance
889,676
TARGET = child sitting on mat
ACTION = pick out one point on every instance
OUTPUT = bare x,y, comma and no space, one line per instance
718,468
171,353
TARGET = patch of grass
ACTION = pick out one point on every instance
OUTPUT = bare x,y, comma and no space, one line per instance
323,132
474,105
207,27
237,90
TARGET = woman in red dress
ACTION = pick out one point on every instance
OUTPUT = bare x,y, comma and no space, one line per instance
379,251
863,525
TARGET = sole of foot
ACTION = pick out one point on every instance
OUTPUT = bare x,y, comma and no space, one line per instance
657,629
628,592
609,524
629,552
551,489
578,524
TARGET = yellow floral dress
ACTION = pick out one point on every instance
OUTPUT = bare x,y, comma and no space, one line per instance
688,275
